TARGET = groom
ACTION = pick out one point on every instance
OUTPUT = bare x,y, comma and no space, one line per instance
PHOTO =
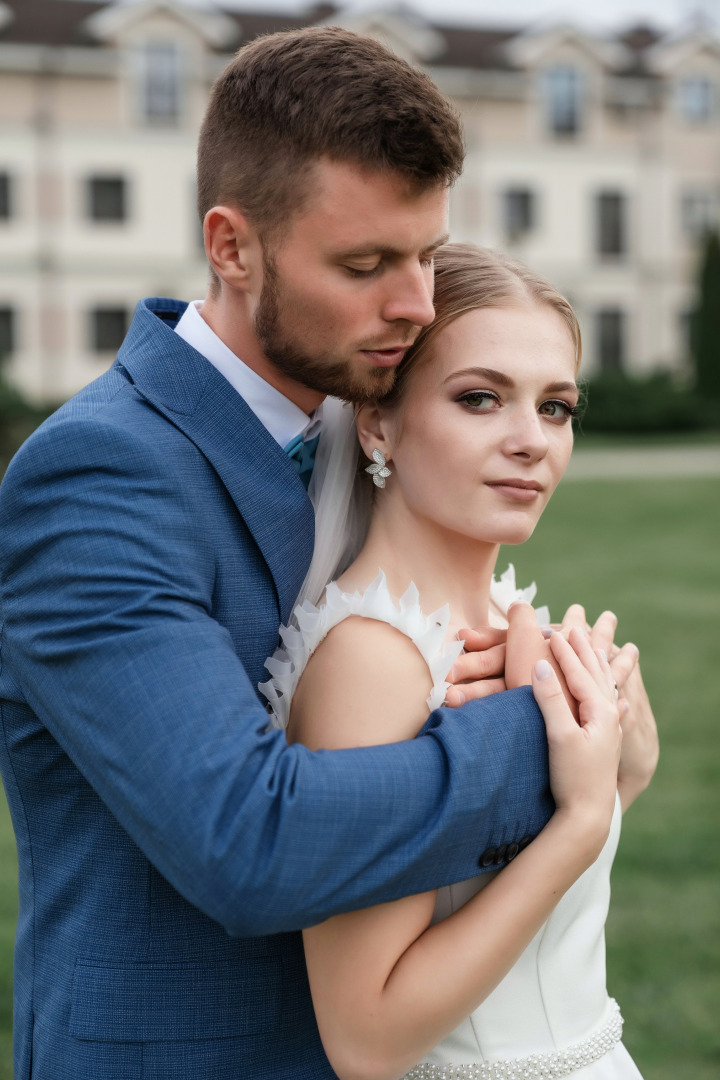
154,534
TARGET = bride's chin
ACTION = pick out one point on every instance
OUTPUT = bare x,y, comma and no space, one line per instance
517,533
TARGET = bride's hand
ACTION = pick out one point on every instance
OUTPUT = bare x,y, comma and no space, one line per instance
602,636
639,756
584,754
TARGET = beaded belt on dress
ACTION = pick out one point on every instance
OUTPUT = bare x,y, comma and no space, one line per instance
547,1066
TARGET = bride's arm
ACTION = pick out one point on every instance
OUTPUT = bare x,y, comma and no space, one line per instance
386,985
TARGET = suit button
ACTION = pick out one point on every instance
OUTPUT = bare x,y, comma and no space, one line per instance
487,858
501,853
525,841
512,851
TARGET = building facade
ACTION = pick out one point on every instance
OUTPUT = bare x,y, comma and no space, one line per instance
597,161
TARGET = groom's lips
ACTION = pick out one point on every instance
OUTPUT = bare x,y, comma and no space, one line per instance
386,357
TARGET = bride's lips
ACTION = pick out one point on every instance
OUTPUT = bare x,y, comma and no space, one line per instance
390,357
519,490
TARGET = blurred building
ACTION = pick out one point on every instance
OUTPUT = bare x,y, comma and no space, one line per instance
596,160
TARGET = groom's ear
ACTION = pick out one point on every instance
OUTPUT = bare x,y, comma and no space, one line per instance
374,429
233,248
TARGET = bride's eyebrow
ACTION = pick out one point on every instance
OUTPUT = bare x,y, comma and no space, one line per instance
560,387
501,379
498,377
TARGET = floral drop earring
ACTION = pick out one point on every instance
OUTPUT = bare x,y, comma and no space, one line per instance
379,471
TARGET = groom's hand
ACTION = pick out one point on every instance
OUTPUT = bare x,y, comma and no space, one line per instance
480,671
526,644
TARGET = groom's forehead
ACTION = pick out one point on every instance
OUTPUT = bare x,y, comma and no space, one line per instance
361,211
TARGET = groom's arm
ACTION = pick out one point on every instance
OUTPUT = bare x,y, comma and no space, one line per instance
106,601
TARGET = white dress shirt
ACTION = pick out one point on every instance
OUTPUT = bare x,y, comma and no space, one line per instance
282,418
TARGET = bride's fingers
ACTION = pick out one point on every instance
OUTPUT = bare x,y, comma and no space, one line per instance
580,666
594,660
551,699
607,671
596,663
623,664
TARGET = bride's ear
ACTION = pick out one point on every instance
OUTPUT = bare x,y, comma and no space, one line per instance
373,429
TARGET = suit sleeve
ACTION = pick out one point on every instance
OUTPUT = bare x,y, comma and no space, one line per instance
108,630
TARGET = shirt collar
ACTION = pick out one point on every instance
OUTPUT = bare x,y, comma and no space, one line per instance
283,419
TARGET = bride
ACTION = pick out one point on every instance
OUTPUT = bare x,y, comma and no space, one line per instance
502,975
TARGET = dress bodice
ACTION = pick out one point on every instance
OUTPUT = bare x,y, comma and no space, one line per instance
551,1015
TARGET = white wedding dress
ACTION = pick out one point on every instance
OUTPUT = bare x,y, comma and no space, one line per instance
551,1015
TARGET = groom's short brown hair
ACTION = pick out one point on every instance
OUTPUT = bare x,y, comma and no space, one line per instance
288,99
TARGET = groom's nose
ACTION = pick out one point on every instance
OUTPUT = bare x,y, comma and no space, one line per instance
410,296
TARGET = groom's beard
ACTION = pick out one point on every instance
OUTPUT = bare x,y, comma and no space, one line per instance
323,372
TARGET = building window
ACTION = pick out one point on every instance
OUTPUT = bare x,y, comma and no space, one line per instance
5,197
698,212
563,100
7,332
518,212
611,223
160,83
108,326
107,198
611,332
696,99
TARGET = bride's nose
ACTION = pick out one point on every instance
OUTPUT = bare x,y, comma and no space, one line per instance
526,435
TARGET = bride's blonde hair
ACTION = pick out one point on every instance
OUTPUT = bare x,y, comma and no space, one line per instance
469,277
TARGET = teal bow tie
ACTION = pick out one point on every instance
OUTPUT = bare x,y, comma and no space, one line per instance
302,455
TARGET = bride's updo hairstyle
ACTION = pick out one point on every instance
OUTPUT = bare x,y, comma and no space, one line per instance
469,277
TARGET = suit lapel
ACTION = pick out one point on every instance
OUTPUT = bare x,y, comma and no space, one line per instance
259,477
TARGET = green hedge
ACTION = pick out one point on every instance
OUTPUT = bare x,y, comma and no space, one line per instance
616,403
18,419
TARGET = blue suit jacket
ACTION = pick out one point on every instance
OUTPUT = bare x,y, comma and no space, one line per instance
153,536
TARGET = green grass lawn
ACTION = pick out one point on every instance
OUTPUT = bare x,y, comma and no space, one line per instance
650,551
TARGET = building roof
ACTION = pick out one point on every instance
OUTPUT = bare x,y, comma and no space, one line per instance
63,23
49,22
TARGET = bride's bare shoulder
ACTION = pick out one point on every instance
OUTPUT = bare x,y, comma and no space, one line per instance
366,684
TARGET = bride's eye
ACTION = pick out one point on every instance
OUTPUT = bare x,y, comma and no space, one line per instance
480,400
556,409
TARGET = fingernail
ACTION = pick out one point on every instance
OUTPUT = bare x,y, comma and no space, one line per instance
603,653
634,651
543,670
546,631
460,696
451,674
